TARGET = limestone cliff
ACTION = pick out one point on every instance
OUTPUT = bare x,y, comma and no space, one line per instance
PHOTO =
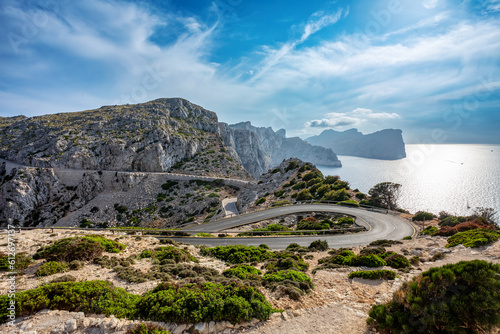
387,144
148,137
259,149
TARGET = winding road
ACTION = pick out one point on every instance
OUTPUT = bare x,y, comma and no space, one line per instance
379,225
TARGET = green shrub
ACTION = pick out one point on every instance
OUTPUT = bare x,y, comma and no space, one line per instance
294,247
243,272
212,195
349,203
281,203
291,165
238,253
374,274
473,238
360,196
70,249
147,329
288,278
373,250
51,268
421,216
318,245
345,221
19,262
260,200
76,265
97,297
306,224
337,195
312,175
205,302
169,184
370,260
430,230
396,261
456,298
385,243
169,253
84,223
341,185
409,237
279,193
286,260
304,195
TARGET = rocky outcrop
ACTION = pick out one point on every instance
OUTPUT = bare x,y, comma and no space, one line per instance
259,149
387,144
149,137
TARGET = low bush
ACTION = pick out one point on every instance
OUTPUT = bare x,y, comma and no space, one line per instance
372,250
473,238
51,268
170,303
191,303
396,261
349,203
286,260
456,298
64,278
422,215
430,230
237,254
76,265
409,237
318,245
243,272
260,200
478,223
147,329
347,221
281,203
385,243
414,260
78,248
98,297
305,225
370,260
304,195
293,283
293,247
346,257
374,274
19,262
169,253
451,220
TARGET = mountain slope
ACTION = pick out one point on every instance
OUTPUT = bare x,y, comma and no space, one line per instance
259,149
387,144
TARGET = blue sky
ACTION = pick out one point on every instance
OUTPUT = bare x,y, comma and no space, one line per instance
428,67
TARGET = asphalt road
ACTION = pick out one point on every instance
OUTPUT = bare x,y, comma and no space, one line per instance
379,225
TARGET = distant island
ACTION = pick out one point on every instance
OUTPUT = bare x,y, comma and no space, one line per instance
387,144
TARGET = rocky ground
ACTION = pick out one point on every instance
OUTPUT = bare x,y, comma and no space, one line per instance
336,305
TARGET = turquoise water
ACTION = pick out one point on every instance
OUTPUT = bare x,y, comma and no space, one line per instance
433,177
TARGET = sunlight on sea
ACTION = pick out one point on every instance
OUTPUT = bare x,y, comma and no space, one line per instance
453,178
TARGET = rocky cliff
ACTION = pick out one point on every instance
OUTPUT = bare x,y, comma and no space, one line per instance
259,149
148,137
386,144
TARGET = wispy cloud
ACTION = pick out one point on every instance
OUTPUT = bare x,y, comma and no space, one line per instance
349,119
429,4
318,21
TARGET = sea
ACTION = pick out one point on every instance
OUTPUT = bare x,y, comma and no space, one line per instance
447,177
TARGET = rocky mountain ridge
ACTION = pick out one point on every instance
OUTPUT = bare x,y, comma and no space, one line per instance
260,149
386,144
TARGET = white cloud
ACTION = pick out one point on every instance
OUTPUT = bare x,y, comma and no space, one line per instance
429,4
349,119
